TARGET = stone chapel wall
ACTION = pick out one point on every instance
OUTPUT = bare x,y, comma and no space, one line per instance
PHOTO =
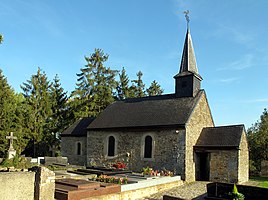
201,117
169,148
243,163
69,149
224,166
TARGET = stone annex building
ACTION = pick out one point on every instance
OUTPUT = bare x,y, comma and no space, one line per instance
172,131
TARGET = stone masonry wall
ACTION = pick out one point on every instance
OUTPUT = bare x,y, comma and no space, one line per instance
168,152
243,163
69,149
17,185
201,117
224,166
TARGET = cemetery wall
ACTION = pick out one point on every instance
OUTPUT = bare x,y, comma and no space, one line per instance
243,162
17,185
168,149
69,149
224,166
37,184
201,117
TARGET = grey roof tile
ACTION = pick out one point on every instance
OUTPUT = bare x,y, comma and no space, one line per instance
79,128
162,110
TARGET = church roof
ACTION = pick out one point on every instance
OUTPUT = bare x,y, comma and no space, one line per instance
156,111
221,136
79,128
188,61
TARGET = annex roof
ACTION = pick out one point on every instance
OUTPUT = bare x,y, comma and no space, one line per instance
79,128
156,111
221,136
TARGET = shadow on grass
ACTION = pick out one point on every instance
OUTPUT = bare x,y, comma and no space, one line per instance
261,181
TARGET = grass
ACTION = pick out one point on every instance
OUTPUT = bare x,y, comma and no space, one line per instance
260,181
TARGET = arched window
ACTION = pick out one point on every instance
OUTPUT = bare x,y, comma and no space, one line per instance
111,146
78,148
148,147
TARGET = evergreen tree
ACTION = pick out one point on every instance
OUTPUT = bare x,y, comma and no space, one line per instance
123,86
37,97
137,87
95,86
154,89
258,140
7,112
58,120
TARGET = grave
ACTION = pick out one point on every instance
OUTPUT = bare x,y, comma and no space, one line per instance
71,189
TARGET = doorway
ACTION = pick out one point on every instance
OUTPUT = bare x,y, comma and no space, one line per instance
202,166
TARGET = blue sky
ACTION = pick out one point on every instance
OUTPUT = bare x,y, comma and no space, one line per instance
229,37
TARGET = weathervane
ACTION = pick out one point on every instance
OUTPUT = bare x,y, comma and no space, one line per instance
187,17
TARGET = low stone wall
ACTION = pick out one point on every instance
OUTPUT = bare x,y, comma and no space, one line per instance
37,184
17,185
139,193
264,168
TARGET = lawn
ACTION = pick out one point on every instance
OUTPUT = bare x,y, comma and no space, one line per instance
260,181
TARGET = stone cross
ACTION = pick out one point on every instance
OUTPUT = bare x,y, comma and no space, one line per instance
11,138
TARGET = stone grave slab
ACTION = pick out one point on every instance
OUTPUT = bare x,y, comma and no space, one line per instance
72,189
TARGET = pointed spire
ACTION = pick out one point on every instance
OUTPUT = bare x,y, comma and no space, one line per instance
188,61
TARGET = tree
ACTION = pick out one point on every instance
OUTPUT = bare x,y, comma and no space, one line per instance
123,90
95,86
1,38
258,140
154,89
59,118
137,87
7,112
37,96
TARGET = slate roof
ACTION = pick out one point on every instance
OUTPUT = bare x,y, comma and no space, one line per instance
79,128
157,111
222,136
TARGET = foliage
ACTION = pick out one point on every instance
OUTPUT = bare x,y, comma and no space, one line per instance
1,38
18,162
137,89
257,137
154,89
95,86
123,89
111,179
236,195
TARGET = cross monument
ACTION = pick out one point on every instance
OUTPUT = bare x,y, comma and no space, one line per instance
11,150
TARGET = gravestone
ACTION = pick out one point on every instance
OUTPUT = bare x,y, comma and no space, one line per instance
11,150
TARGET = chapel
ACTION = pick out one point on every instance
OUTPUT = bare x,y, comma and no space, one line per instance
172,131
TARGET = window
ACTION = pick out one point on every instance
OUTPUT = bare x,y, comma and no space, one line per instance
78,148
148,147
111,146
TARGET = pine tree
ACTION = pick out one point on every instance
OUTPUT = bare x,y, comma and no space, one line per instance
37,97
137,87
7,112
123,86
95,86
154,89
58,120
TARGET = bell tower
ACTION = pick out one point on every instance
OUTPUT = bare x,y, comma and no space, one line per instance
188,80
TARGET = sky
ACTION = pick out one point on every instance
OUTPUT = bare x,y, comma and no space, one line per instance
229,38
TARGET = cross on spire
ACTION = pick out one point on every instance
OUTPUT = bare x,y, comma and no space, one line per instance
187,17
11,138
